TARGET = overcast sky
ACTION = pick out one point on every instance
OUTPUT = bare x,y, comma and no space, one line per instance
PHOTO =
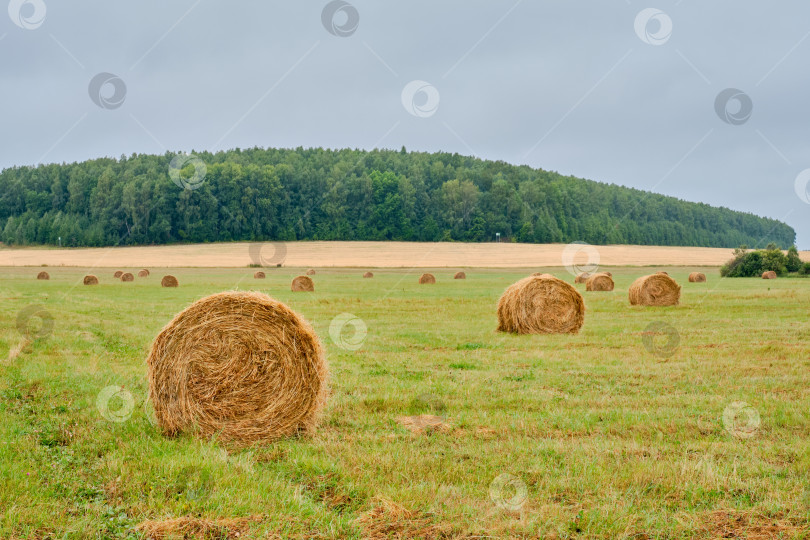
617,91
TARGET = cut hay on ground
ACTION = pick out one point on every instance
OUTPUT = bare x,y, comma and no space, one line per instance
126,276
424,423
582,278
90,279
541,305
697,277
770,274
238,366
143,273
655,290
302,284
368,275
311,272
193,527
259,275
460,275
169,281
599,282
427,279
43,275
118,274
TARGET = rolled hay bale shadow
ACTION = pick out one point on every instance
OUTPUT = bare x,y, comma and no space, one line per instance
368,275
43,275
541,304
169,281
259,275
302,284
118,274
427,279
697,277
460,275
90,279
310,272
143,273
599,282
655,290
770,274
238,366
126,276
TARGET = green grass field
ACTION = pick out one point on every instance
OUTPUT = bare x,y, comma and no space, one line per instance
595,435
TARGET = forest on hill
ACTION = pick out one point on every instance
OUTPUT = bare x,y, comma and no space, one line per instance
318,194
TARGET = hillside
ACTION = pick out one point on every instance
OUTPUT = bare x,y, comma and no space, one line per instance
317,194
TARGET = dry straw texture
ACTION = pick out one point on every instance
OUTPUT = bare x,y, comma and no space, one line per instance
697,277
118,274
460,275
258,275
302,284
143,273
368,275
90,280
193,527
541,304
599,282
655,290
427,279
127,277
239,366
169,281
43,275
770,274
582,278
311,272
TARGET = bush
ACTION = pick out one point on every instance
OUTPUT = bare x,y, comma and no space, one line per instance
793,263
754,263
805,269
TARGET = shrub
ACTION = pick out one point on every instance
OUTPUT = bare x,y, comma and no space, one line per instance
793,262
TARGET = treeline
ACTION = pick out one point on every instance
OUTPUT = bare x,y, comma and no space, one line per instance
317,194
752,263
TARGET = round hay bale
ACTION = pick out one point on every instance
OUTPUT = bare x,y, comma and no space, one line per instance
90,279
770,274
239,366
655,290
169,281
43,275
118,274
143,273
599,282
582,278
302,284
697,277
126,276
259,275
460,275
311,272
541,304
427,279
368,275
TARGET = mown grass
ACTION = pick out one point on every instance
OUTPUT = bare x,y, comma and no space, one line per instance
608,439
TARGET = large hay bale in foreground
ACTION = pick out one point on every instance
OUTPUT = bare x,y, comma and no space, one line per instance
582,278
126,276
697,277
311,272
239,366
368,275
599,282
143,273
118,274
90,279
43,275
655,290
169,281
259,275
770,274
541,304
427,279
302,284
460,275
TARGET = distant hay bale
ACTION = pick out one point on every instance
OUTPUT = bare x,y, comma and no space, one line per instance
43,275
238,366
311,272
541,304
770,274
608,274
599,282
662,272
126,276
258,275
169,281
368,275
118,274
655,290
542,274
460,275
90,279
427,279
143,273
582,278
697,277
302,284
